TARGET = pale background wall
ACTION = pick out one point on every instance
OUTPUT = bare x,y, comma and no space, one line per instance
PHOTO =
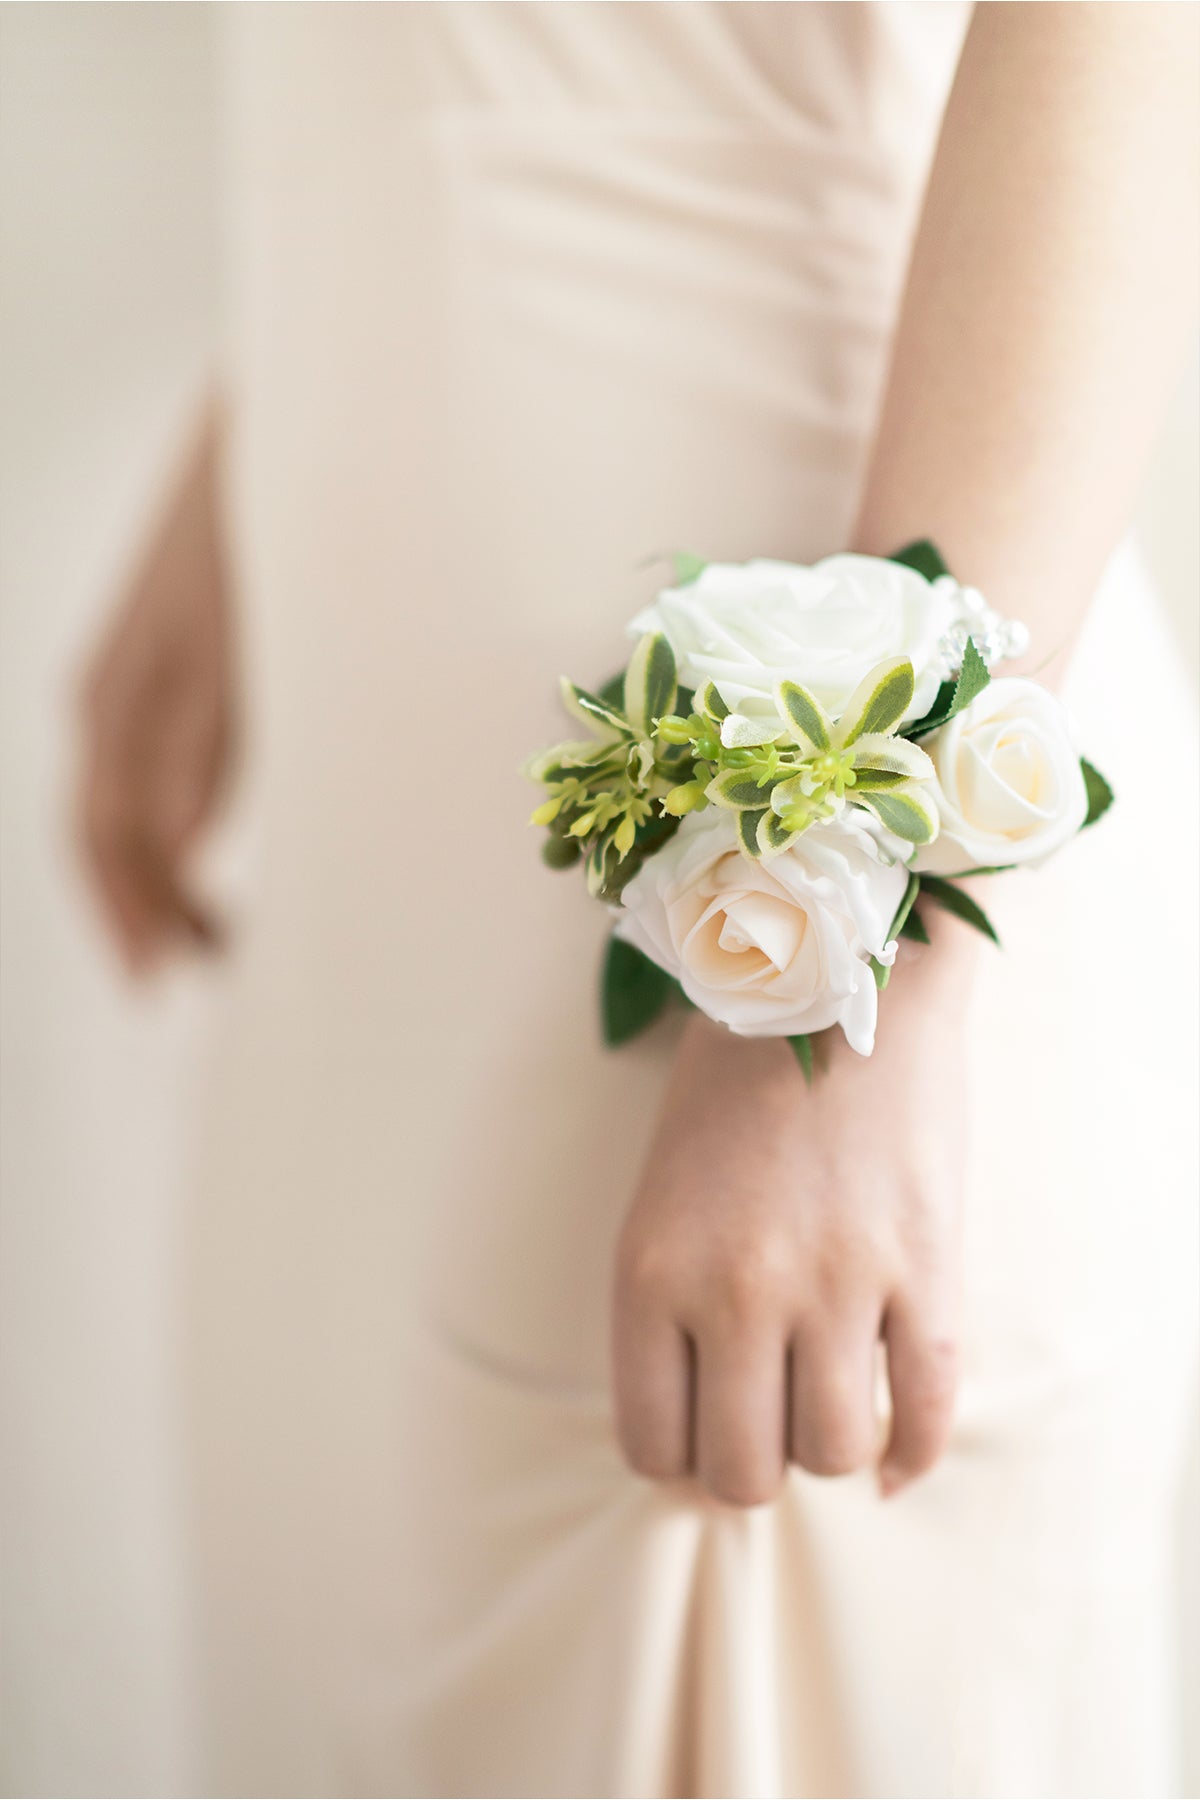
108,256
108,251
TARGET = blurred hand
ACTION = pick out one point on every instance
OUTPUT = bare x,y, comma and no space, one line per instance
157,714
779,1232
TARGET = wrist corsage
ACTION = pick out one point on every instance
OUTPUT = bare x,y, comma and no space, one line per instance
793,764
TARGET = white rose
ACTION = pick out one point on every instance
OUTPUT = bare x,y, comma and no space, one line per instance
777,948
1009,788
748,626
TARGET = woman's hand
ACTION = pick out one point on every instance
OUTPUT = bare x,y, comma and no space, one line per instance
158,729
779,1232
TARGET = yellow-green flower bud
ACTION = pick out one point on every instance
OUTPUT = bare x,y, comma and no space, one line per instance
688,797
624,835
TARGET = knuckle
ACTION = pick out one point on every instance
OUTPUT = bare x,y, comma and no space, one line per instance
752,1275
832,1432
833,1451
744,1486
654,1461
646,1267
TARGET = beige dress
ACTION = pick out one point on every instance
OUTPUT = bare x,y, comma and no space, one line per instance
524,294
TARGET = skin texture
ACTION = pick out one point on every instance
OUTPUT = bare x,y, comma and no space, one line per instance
1051,293
779,1235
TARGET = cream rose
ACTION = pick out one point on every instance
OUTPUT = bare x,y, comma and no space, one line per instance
1009,788
777,948
748,626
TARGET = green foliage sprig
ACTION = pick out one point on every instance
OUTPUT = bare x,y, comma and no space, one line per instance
655,751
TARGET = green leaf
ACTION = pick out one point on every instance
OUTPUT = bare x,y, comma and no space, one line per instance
973,677
688,567
563,760
905,906
802,1045
806,713
591,710
937,715
709,702
649,690
747,826
880,750
944,894
561,853
904,811
741,733
1099,795
914,928
612,694
988,869
875,781
633,991
735,790
923,556
787,794
878,702
882,971
773,834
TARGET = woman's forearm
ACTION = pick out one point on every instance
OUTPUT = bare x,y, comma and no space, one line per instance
1051,291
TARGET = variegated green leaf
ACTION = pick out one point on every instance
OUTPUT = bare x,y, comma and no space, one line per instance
805,712
875,781
591,711
613,691
596,871
747,825
880,750
735,791
649,681
905,811
802,1045
561,760
878,702
708,701
741,733
773,835
786,794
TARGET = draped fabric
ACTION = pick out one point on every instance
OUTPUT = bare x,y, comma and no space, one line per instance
524,295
